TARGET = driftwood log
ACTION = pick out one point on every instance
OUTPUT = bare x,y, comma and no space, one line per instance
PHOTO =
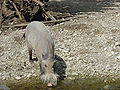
46,22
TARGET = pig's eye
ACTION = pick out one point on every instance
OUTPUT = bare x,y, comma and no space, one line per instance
45,65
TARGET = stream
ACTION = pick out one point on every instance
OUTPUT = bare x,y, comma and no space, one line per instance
88,83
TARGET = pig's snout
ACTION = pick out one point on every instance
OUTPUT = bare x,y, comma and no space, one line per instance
49,84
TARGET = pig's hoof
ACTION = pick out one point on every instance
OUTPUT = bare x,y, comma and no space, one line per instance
34,59
31,61
49,85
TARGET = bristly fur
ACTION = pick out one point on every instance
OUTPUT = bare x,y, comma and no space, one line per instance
49,78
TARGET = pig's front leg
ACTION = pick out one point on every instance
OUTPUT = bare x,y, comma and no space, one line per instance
41,69
30,54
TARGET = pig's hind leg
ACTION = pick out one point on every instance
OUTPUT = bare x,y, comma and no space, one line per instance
31,59
30,54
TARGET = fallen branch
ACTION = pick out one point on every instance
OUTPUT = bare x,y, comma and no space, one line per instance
0,15
49,15
25,24
16,9
45,22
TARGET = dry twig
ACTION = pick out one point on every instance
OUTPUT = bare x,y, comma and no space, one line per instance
16,9
49,15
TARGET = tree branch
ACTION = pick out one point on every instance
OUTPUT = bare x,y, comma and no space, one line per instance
16,9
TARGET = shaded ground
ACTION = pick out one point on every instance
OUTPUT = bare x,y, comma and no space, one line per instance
80,6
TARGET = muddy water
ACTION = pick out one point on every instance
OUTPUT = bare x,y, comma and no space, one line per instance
89,83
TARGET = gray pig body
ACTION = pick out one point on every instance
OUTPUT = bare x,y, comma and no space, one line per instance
39,39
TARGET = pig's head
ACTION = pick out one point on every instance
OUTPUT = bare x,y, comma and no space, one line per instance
48,75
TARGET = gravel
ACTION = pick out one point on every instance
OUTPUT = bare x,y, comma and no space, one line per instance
88,45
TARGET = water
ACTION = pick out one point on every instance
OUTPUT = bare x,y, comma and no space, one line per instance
88,83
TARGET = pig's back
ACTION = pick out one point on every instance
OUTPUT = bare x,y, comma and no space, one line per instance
38,36
38,29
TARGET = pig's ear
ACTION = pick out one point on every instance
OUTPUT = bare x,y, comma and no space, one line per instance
44,56
55,60
58,58
44,64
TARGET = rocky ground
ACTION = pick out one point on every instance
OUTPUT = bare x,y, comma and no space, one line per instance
88,44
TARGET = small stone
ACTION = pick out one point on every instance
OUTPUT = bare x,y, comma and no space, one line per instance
71,78
9,49
4,87
118,57
117,43
107,87
34,75
11,23
0,32
3,78
18,78
29,75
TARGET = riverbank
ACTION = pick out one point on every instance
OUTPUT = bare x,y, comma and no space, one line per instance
88,45
87,83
